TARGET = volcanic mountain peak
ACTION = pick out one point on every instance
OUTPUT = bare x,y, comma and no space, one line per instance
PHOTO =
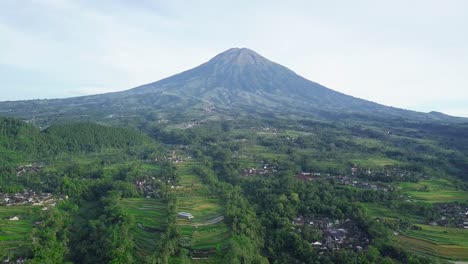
236,69
236,81
239,56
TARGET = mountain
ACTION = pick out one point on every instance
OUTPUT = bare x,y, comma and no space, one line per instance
235,82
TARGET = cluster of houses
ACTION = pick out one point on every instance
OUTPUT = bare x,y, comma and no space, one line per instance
146,186
163,121
177,159
29,168
151,187
266,130
345,180
309,176
28,197
452,215
209,109
356,182
189,124
387,174
174,158
265,170
336,234
364,178
19,260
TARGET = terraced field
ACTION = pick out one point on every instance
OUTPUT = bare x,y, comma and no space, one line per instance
435,241
207,230
450,243
14,235
150,220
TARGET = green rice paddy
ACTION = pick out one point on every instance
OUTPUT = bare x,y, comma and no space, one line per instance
434,191
445,242
194,197
150,221
15,235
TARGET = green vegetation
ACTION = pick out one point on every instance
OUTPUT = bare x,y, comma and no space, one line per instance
15,234
434,191
150,222
449,243
436,241
206,231
374,162
240,180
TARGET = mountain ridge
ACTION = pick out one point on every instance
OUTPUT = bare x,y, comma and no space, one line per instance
236,80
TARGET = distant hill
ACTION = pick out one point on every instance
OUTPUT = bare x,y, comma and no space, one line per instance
235,82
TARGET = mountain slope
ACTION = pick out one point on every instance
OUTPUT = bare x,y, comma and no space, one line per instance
243,77
237,81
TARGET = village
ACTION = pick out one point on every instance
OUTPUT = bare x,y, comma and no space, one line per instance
353,180
265,170
377,180
387,174
19,260
364,184
29,168
28,197
336,234
452,215
265,130
147,187
348,180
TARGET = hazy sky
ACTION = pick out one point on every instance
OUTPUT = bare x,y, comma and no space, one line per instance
408,54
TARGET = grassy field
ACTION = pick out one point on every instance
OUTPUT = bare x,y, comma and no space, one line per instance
150,220
195,198
434,191
15,235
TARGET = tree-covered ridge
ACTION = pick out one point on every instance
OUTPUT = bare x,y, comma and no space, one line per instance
29,142
18,137
88,137
23,144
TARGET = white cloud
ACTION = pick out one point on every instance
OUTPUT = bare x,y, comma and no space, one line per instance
396,53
